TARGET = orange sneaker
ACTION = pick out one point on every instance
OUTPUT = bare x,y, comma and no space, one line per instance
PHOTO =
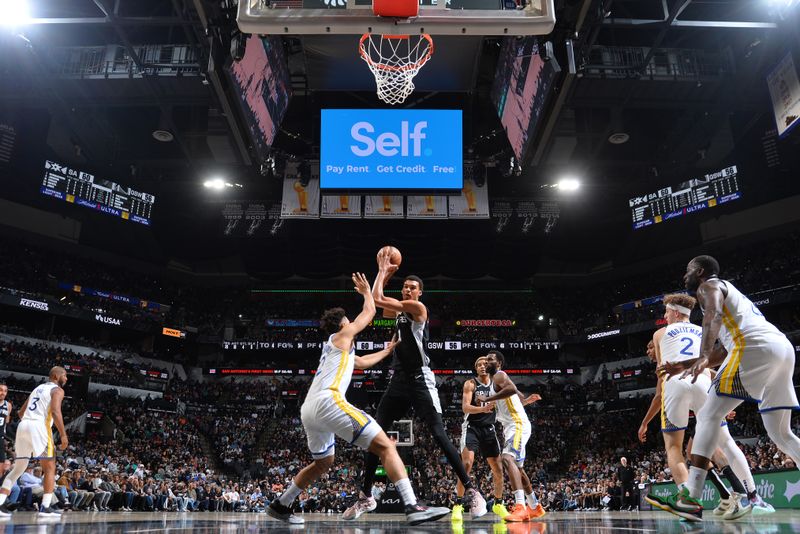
518,514
535,513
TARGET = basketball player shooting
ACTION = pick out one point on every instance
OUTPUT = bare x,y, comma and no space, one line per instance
326,414
412,384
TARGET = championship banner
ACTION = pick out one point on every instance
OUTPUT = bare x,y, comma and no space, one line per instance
383,207
427,207
341,207
784,88
300,201
472,203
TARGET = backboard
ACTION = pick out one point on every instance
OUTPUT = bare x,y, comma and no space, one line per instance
436,17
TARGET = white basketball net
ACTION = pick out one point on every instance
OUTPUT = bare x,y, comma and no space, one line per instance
395,60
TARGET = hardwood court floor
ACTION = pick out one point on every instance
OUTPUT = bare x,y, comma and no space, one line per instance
782,521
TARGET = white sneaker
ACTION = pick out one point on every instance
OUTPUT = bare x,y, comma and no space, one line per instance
761,507
477,503
361,506
738,508
724,506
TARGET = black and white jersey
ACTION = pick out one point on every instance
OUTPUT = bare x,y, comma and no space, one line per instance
409,355
3,416
480,392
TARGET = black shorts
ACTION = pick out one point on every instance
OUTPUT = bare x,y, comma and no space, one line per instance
417,390
2,448
481,438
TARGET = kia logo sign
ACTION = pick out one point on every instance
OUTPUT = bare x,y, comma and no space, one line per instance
391,149
34,304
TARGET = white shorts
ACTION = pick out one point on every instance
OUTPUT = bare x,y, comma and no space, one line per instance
761,372
678,397
327,415
34,440
515,439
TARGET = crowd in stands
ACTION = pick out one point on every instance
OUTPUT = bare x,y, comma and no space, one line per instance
584,309
184,459
24,355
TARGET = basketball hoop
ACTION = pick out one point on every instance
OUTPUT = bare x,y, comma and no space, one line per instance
394,61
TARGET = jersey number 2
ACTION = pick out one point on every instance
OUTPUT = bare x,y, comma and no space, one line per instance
685,350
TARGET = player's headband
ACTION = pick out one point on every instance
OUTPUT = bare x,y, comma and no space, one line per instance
678,308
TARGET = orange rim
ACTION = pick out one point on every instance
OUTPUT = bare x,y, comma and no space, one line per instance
410,66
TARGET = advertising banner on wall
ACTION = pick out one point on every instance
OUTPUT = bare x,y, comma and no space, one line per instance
781,489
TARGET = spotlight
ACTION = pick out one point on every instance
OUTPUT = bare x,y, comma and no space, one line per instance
14,13
541,317
215,183
568,184
219,184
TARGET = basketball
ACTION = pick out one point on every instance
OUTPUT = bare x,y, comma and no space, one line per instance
394,254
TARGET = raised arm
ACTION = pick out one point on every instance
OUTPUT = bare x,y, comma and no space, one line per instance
503,387
344,338
55,410
414,308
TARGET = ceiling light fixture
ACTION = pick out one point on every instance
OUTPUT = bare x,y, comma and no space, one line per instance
164,136
215,183
14,13
568,184
619,138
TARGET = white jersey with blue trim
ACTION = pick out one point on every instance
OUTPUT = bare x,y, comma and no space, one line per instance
38,408
335,369
511,412
680,342
743,323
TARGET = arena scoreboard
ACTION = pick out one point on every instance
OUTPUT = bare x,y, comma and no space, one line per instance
84,189
688,197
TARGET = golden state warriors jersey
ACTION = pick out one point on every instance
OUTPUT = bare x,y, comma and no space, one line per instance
742,322
38,409
681,341
511,412
335,369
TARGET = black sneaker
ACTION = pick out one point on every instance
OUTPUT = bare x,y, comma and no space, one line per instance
416,514
5,511
283,513
49,512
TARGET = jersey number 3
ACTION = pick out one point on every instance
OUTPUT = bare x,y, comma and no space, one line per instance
686,350
33,406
